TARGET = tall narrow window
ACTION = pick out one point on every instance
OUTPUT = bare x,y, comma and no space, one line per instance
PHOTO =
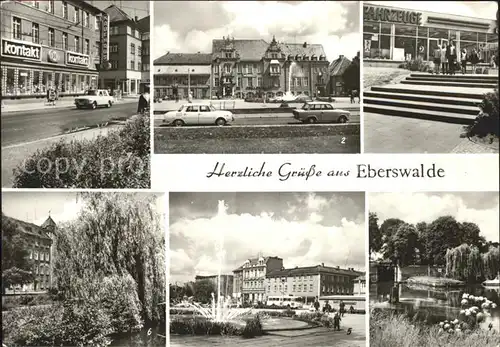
65,10
35,33
65,41
87,47
76,16
50,6
16,28
52,37
86,19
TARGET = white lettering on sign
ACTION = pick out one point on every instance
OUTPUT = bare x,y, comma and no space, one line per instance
21,50
77,59
104,38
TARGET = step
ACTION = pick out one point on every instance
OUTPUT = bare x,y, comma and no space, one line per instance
424,98
451,84
428,106
477,76
457,79
400,89
437,116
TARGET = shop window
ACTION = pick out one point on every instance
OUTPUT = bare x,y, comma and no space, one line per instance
385,47
422,48
52,35
36,81
406,30
35,33
9,86
73,83
438,33
24,82
66,83
385,28
371,27
16,28
406,45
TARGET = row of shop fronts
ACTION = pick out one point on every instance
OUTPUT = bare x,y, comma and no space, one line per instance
397,35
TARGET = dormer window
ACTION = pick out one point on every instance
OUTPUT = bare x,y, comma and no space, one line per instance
289,57
322,57
274,55
229,54
297,57
304,57
313,57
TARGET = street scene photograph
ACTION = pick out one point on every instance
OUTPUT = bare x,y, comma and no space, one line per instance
430,77
434,269
256,77
83,269
267,269
75,94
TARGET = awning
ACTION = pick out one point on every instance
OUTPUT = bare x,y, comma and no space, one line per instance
274,61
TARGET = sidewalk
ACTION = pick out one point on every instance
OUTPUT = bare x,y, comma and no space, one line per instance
9,106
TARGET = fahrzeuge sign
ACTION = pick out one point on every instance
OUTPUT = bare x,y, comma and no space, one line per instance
77,59
104,38
21,50
372,13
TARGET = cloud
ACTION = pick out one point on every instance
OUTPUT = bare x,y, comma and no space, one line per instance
327,23
70,211
418,207
194,242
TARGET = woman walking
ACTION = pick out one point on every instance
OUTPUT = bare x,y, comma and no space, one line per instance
463,61
474,59
437,59
444,59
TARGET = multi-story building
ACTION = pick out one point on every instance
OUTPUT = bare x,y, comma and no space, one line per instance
226,283
248,68
360,285
177,73
127,37
252,276
311,282
336,73
39,240
51,44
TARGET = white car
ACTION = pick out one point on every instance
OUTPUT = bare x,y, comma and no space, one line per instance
94,98
198,114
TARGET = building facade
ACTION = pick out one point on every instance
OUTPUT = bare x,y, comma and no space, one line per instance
252,277
39,240
50,44
177,73
226,283
127,38
336,71
311,282
393,35
255,68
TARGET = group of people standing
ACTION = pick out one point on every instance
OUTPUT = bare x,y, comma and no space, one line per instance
327,308
446,59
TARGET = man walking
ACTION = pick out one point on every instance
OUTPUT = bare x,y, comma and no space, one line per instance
342,308
316,305
437,59
336,321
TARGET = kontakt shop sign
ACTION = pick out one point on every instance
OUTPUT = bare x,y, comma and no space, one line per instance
21,50
77,59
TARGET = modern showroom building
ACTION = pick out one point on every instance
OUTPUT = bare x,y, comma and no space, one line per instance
393,35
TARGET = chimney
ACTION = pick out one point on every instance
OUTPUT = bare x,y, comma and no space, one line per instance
323,264
304,45
341,56
136,18
338,267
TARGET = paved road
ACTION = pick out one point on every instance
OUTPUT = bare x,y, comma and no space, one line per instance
25,126
254,119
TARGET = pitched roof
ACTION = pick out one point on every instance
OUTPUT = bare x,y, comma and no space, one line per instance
311,270
184,59
338,66
299,49
255,261
143,24
28,228
116,14
252,50
49,223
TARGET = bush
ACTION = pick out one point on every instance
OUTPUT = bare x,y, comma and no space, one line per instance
118,160
487,122
11,302
202,326
417,64
253,327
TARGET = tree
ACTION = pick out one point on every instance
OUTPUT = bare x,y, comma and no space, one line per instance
114,234
374,233
469,234
401,246
464,263
442,234
422,229
389,227
16,266
491,265
351,75
203,290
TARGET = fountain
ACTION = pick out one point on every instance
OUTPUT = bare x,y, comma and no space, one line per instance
288,96
220,309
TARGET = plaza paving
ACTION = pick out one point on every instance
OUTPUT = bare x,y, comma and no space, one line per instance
317,337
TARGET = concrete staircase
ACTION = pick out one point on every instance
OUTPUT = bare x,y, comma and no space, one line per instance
444,98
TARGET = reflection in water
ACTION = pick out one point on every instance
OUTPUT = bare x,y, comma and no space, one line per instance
154,337
432,305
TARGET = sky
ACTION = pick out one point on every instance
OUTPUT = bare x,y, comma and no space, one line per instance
480,208
132,8
305,229
190,26
34,207
478,9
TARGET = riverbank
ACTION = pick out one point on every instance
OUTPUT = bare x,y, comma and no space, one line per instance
435,281
387,330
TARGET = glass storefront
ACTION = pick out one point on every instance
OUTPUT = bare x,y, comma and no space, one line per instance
405,42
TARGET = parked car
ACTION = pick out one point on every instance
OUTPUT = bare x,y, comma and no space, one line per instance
302,98
326,98
94,98
157,100
321,112
198,114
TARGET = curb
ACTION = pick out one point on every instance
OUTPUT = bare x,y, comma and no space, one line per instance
5,109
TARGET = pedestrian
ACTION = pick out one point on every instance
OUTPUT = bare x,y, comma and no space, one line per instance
336,321
190,97
463,60
452,57
437,59
51,96
474,59
316,305
142,105
327,308
444,59
342,308
351,310
493,60
352,96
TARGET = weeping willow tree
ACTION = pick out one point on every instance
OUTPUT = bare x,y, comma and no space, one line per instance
491,263
464,263
115,234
